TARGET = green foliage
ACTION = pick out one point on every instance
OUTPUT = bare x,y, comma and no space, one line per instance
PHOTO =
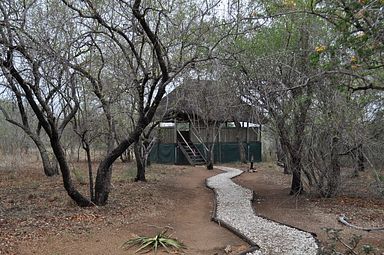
367,249
147,244
338,245
358,29
314,58
342,89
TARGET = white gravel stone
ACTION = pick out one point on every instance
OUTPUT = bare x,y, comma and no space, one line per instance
234,208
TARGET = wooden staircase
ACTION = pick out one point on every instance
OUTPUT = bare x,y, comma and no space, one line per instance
190,151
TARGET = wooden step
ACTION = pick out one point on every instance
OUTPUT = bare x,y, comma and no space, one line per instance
192,154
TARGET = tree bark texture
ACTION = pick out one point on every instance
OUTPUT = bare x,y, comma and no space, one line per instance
104,171
296,185
50,166
66,174
140,163
90,171
210,157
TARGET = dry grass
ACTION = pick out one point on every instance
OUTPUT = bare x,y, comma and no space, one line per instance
33,206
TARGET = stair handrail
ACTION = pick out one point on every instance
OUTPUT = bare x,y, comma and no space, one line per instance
198,138
185,141
181,147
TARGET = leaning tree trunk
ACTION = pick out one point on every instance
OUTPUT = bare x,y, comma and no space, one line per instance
104,171
73,193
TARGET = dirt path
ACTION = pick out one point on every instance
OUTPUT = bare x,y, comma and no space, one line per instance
186,208
192,218
36,216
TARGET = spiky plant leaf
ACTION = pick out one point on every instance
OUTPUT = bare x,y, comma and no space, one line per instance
147,244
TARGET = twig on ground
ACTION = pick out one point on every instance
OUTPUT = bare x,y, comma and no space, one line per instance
344,220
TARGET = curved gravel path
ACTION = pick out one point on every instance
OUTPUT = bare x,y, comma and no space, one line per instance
234,209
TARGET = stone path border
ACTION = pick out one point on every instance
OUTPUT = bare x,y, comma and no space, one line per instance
233,209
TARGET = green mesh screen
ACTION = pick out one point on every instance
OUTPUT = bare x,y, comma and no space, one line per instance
223,153
255,151
163,153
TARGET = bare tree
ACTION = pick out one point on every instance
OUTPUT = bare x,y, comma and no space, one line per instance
282,86
151,54
23,62
49,163
13,55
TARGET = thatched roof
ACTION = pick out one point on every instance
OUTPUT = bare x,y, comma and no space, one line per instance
203,99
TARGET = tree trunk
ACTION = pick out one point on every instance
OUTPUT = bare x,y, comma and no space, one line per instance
49,165
210,165
242,155
66,174
104,171
286,167
140,162
334,176
90,171
303,98
360,158
296,185
282,159
210,157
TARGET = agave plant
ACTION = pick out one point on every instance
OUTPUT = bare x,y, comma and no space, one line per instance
146,244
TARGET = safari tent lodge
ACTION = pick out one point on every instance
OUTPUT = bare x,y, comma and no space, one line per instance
201,117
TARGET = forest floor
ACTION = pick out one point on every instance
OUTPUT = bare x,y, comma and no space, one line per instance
37,217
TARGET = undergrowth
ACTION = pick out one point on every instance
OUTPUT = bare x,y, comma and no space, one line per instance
337,245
